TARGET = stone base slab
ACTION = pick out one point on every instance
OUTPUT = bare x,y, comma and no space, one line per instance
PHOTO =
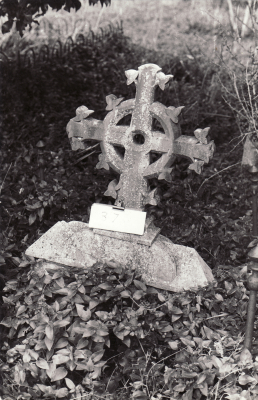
147,238
164,265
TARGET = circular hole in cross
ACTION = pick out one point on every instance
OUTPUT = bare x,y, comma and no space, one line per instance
138,136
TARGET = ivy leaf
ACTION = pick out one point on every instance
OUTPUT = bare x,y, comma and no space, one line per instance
125,293
161,297
173,345
87,332
127,341
60,324
203,388
103,315
98,339
59,374
34,370
201,379
106,286
45,389
49,332
185,301
167,328
81,289
219,297
32,218
180,387
176,310
174,318
60,359
63,342
60,282
84,315
187,342
82,343
49,343
151,290
93,304
51,370
210,334
102,331
26,357
61,393
97,356
129,281
77,299
33,354
69,384
57,275
138,294
96,373
245,379
118,332
41,363
40,345
228,286
41,213
47,279
21,310
140,285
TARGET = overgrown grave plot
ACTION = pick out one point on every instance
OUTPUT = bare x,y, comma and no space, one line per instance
45,184
46,94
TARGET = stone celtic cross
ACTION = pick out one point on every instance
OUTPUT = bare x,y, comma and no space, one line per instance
139,139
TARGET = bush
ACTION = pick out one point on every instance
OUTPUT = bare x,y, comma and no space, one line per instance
103,332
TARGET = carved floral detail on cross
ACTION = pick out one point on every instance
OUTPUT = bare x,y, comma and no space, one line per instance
139,140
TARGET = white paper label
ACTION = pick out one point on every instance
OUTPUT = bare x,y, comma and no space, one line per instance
117,219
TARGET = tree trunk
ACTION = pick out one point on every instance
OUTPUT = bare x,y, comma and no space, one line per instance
232,16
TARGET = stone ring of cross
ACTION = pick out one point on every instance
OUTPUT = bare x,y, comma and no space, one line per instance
139,140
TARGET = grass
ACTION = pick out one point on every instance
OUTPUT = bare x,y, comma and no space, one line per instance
172,27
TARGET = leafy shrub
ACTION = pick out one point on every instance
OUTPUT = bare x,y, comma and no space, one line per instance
103,332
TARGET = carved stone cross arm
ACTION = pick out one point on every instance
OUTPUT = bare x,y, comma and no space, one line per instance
139,140
79,129
198,150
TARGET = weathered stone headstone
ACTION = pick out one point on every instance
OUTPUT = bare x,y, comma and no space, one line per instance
162,263
139,140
